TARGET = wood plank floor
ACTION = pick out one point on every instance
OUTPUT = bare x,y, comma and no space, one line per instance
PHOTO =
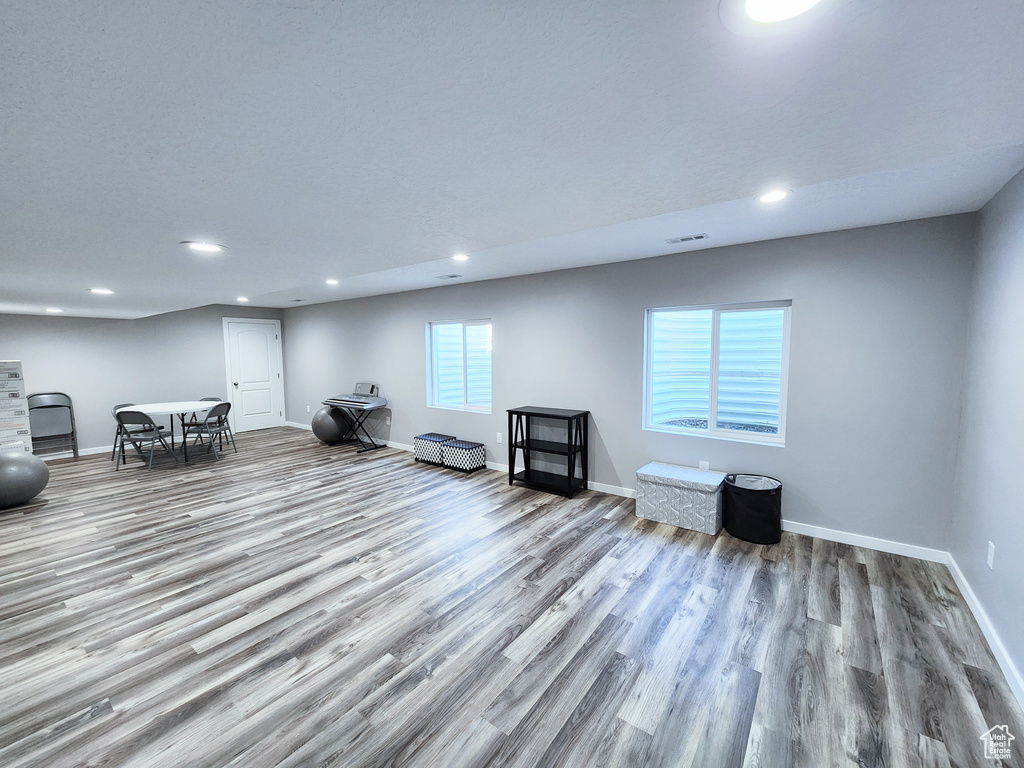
301,605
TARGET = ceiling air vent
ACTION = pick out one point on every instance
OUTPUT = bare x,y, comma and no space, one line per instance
687,238
447,277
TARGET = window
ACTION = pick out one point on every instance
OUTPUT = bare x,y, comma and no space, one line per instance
718,371
460,365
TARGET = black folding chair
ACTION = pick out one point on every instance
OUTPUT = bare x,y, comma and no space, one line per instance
117,434
52,419
140,430
214,426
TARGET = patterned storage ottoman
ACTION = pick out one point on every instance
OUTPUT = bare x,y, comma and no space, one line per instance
464,455
680,496
428,447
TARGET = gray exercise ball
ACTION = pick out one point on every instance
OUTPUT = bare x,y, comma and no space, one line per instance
22,477
330,424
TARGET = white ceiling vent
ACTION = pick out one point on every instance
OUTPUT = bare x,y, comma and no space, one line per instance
687,238
447,277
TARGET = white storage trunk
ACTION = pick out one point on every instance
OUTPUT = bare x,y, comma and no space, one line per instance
681,496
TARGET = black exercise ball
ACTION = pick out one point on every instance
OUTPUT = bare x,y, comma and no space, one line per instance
22,477
330,424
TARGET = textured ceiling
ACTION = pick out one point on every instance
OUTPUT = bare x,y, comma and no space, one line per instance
359,140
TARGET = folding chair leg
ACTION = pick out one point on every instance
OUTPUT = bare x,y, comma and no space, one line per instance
213,447
168,449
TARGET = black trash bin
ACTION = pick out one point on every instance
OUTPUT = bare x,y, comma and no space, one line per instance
752,508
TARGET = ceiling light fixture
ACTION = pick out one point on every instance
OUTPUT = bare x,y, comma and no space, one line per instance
101,291
204,247
460,257
766,18
773,196
54,310
331,281
243,299
771,11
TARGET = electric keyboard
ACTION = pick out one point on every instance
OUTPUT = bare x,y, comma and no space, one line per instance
357,402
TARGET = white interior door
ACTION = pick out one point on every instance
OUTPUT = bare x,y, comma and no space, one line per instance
255,384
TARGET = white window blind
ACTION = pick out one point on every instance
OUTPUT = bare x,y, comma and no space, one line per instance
460,359
718,371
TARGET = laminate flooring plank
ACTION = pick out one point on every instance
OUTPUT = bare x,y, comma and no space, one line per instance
768,591
768,749
589,730
998,707
662,664
521,694
678,736
532,735
860,637
573,600
932,753
473,746
867,736
727,727
778,703
823,692
823,600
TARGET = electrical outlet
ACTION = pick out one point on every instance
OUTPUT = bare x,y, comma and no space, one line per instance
387,421
499,438
705,465
307,409
991,559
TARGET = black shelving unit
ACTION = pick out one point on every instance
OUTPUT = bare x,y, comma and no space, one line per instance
521,433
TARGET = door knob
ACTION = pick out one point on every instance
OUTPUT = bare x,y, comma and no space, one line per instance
236,383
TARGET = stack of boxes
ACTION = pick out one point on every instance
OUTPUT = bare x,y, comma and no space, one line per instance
15,432
448,451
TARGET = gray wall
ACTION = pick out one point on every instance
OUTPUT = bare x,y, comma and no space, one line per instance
989,491
878,337
175,356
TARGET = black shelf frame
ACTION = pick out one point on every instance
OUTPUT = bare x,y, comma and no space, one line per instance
574,448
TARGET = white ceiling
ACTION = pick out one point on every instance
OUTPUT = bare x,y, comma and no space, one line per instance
368,141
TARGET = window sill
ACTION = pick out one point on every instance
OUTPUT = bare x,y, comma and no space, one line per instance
462,408
726,436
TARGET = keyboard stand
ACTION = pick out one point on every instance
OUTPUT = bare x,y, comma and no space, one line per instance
357,416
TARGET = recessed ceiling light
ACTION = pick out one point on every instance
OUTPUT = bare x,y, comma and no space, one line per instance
332,281
770,11
460,257
101,291
54,310
773,196
765,18
243,299
204,247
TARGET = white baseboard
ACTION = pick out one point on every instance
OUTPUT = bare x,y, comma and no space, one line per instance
297,425
615,490
81,452
870,542
1013,675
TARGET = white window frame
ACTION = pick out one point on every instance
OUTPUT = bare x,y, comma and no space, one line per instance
432,368
713,431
